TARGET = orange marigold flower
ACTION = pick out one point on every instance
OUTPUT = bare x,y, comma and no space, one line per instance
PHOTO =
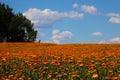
29,79
49,76
81,64
95,76
45,63
53,79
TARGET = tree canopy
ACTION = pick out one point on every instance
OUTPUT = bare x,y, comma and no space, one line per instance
15,27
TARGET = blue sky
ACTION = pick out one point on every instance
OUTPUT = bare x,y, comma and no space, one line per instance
72,21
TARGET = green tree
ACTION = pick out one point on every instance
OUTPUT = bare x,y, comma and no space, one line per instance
15,27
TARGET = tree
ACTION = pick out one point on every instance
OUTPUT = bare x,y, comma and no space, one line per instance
15,27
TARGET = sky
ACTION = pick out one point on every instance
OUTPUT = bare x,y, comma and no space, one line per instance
72,21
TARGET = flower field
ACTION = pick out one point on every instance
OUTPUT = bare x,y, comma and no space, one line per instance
43,61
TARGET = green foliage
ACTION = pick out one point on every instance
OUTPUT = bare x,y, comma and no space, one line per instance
15,27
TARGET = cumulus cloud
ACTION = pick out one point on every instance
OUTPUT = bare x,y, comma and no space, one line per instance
72,15
75,5
97,34
89,9
115,20
56,31
46,18
58,36
115,40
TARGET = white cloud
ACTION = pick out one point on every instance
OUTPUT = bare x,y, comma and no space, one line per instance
46,18
72,15
102,42
58,36
89,9
113,14
97,34
55,32
115,40
115,20
48,41
75,5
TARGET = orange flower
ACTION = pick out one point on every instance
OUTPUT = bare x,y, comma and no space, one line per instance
49,76
95,76
20,79
70,61
45,63
81,64
29,79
